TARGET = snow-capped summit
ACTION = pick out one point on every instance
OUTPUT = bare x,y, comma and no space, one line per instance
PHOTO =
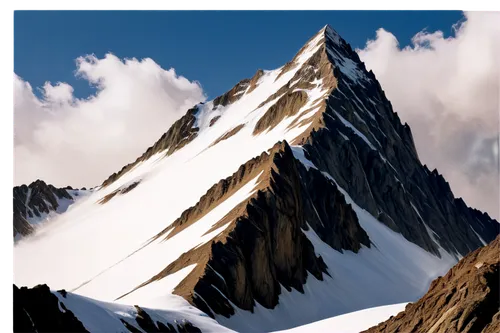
295,196
332,36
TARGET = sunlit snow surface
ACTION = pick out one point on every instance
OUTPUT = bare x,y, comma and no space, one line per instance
92,249
104,317
102,251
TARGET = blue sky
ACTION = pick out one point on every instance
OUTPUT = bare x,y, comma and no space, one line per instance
217,48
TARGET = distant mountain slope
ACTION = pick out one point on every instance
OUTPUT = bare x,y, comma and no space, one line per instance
34,203
466,299
296,196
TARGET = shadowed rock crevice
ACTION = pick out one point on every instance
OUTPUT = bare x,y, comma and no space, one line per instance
466,299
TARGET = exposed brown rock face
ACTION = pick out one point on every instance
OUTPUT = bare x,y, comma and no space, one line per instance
288,105
387,178
37,310
228,134
214,120
232,95
292,97
254,81
121,190
179,134
264,245
34,200
466,299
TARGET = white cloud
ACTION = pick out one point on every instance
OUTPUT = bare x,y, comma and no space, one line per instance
448,91
79,142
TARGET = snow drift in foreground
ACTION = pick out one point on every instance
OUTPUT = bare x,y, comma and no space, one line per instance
105,317
353,322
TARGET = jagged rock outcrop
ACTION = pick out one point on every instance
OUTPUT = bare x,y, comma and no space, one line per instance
34,202
228,134
119,191
286,106
466,299
232,95
362,144
264,246
37,309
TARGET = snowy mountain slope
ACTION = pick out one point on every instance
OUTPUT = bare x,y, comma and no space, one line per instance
191,168
322,193
353,322
39,202
43,310
392,270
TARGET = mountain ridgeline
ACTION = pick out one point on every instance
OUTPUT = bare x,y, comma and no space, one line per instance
298,182
359,141
34,202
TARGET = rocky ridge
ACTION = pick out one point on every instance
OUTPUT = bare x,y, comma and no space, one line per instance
358,140
264,246
466,299
356,143
35,201
38,309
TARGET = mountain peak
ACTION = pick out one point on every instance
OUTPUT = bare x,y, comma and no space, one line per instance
325,36
272,193
338,52
331,34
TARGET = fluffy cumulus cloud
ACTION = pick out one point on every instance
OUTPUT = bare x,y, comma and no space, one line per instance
448,90
79,142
